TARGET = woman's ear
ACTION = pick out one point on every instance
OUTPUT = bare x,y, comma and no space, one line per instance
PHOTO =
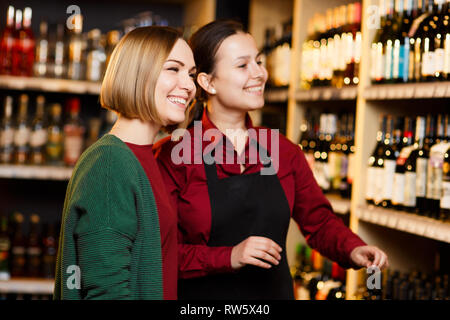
204,81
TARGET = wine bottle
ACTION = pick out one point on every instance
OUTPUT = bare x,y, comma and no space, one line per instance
422,167
401,69
415,34
5,246
375,165
409,202
73,133
376,52
7,43
389,161
54,146
18,247
388,43
7,133
38,137
42,50
395,37
398,194
34,249
22,132
445,199
435,165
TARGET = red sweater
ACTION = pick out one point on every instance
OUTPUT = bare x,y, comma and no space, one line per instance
167,218
186,184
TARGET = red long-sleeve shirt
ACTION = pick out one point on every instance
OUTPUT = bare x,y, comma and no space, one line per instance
167,218
187,186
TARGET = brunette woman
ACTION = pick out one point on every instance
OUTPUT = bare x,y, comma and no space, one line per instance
235,206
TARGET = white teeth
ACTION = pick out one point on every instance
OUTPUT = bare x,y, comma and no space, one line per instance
254,89
178,100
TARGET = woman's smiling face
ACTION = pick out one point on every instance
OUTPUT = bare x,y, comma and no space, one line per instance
239,76
175,87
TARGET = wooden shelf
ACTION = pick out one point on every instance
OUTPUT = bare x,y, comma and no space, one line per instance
327,93
50,85
339,204
275,95
27,286
406,222
35,172
426,90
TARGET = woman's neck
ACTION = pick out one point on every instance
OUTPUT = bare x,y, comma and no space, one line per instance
231,123
226,119
135,131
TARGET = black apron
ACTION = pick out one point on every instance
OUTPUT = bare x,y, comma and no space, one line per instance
243,206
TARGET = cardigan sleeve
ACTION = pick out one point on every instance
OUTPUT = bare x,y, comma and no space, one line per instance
312,211
101,212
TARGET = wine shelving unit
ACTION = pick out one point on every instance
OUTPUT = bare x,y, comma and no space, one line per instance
409,239
49,85
196,14
32,286
35,172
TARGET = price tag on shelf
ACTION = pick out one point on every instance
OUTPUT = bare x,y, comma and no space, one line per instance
383,217
392,220
382,93
440,90
447,94
408,92
430,231
374,217
315,95
421,227
399,92
411,225
392,92
402,223
327,94
424,91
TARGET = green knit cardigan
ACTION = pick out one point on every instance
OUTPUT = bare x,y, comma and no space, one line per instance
110,245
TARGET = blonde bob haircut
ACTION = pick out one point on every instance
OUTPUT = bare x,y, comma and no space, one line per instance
128,87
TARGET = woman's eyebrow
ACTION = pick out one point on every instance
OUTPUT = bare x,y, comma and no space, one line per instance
249,57
194,68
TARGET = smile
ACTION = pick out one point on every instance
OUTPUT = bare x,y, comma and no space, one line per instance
257,90
178,101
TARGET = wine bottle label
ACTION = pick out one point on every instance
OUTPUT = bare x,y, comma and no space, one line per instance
73,146
428,63
389,172
388,60
373,59
34,251
370,183
17,250
435,170
351,164
379,184
421,176
404,60
396,59
21,136
447,53
398,192
445,200
38,138
439,60
6,137
334,163
410,189
326,175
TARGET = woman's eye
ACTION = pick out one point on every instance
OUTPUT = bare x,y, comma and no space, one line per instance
242,66
173,69
259,63
192,75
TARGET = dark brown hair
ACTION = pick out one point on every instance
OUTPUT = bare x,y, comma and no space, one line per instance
205,43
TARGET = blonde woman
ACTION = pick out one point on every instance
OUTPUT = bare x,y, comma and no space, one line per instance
119,231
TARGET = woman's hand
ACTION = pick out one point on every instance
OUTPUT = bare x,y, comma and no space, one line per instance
368,256
253,250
